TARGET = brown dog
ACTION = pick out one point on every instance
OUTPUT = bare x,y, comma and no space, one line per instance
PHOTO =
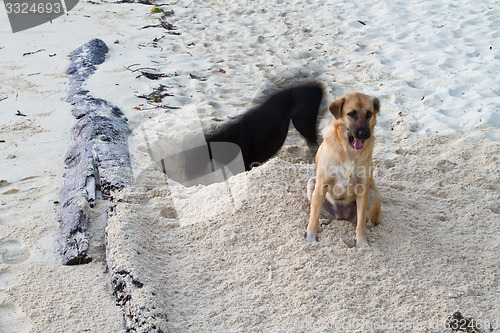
344,188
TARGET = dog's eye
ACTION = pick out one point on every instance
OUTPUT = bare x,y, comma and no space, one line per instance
353,114
369,114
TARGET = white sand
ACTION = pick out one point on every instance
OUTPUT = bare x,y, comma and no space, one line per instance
245,266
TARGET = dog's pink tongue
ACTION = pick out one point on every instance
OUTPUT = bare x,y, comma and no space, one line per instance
358,144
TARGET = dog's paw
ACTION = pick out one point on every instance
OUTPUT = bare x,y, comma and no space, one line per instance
362,244
310,239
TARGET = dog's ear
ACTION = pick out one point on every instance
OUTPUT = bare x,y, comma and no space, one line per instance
335,107
376,105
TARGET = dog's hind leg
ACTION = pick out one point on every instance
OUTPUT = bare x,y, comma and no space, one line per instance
328,209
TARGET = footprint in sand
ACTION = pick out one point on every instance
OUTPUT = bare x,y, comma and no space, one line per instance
7,279
13,252
13,320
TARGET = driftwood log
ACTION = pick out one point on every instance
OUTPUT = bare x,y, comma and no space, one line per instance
97,160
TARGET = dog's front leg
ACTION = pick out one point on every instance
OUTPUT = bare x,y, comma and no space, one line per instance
317,200
362,200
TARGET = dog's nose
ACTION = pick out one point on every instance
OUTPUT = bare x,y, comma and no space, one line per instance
363,133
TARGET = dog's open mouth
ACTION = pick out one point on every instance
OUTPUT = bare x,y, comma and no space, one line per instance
356,143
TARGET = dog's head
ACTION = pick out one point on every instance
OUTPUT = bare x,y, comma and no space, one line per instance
358,114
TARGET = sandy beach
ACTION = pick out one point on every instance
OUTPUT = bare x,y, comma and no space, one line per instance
231,256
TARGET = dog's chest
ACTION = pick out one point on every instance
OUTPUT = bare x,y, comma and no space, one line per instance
344,181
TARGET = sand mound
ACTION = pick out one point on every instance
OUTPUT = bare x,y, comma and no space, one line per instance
247,267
